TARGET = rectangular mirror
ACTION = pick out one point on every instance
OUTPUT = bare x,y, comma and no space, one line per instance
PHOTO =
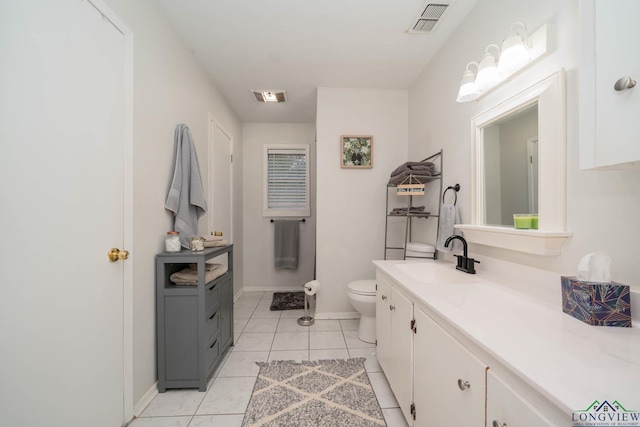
511,166
518,160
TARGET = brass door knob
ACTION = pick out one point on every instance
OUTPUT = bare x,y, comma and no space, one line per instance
116,254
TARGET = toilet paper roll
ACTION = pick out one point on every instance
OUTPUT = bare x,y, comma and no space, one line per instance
310,288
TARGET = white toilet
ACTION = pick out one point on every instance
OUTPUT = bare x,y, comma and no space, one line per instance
362,296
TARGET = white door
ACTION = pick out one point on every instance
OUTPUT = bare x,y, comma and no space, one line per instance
221,162
62,132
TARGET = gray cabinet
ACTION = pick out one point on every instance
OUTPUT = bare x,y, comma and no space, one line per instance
194,323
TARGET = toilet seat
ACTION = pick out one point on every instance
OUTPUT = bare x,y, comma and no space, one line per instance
363,287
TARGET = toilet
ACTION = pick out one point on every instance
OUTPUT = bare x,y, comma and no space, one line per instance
362,296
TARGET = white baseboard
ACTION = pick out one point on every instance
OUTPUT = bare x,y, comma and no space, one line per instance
146,398
238,295
343,316
272,288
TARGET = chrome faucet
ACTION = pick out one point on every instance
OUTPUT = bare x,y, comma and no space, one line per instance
465,263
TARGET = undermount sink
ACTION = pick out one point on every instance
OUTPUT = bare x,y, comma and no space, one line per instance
433,273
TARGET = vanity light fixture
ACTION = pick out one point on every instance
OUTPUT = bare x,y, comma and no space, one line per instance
519,50
468,88
515,53
488,75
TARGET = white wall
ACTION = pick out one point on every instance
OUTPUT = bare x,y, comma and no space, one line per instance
259,272
351,202
602,206
170,87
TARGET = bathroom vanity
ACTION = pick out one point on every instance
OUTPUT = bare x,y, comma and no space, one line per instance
472,350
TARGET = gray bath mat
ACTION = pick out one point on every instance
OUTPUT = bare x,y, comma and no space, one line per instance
325,393
287,301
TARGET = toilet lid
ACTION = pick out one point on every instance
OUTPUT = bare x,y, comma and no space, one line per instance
363,287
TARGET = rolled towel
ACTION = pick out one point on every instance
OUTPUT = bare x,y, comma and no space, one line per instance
215,243
213,238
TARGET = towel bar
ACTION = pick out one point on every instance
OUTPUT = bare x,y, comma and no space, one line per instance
300,220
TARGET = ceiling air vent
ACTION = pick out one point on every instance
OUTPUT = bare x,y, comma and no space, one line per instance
428,18
270,95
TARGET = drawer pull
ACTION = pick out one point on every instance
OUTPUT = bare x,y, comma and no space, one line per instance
624,83
212,316
392,307
211,288
463,385
499,424
384,297
213,344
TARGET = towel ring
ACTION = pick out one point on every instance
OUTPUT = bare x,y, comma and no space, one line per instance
455,189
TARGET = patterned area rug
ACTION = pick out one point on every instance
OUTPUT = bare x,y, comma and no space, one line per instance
287,301
325,393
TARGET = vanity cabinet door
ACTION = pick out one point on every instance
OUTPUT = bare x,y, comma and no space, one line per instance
394,313
609,125
401,374
449,382
383,322
506,408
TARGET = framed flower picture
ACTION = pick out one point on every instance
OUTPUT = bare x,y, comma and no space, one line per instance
356,152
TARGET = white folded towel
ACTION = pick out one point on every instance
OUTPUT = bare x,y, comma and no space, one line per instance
189,276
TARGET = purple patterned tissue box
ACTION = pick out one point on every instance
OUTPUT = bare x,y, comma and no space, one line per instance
599,304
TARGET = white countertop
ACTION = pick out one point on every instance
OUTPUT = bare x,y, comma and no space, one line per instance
569,362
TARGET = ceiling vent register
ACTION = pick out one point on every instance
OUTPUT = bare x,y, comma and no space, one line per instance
427,19
270,95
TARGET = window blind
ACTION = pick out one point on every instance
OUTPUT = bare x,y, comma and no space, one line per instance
287,179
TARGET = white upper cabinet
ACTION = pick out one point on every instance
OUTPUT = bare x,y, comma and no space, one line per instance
609,63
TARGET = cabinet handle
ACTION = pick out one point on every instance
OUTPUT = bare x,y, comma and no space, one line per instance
624,83
384,297
392,307
499,424
463,384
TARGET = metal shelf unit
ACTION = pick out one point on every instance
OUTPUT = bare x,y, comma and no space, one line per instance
429,183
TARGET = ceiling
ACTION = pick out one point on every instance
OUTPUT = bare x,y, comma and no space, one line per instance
299,45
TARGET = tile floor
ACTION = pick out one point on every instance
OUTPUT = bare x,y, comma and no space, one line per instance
262,335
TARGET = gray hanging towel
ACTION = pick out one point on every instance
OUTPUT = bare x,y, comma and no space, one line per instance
186,195
286,241
449,216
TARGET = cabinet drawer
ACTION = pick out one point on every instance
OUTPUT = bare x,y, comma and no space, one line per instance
212,325
210,295
213,352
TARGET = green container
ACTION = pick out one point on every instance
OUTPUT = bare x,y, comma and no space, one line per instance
523,221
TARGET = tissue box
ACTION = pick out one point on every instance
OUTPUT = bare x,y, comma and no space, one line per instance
600,304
